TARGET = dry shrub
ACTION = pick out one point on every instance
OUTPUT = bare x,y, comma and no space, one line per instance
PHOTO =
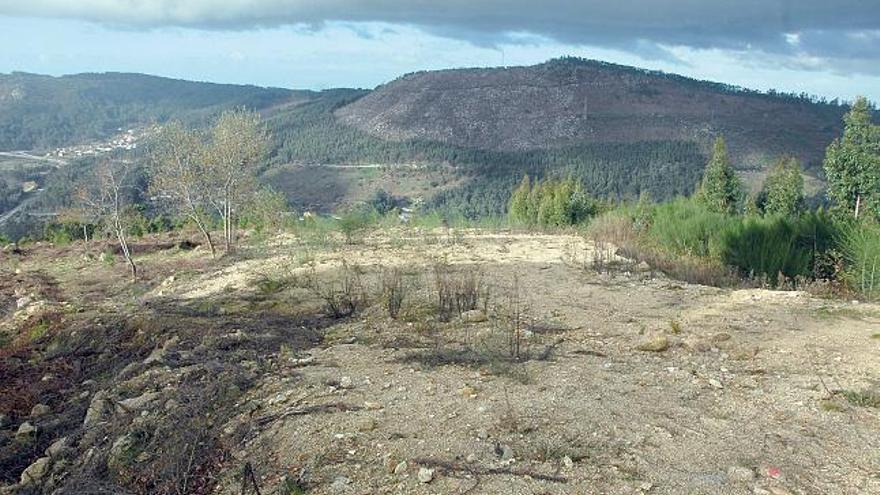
394,290
459,289
345,295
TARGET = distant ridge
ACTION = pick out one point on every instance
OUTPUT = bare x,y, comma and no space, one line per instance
572,101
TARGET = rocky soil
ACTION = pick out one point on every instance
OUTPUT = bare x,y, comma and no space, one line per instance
235,377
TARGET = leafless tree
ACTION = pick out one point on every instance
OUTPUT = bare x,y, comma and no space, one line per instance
238,144
178,174
105,198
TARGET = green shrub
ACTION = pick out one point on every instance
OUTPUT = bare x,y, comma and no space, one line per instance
791,246
687,227
860,245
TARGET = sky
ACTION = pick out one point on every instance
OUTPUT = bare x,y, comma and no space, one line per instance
826,48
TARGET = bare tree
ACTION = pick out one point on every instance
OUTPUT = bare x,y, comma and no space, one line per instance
105,198
178,174
238,143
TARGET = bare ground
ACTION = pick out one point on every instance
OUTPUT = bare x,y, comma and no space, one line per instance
745,394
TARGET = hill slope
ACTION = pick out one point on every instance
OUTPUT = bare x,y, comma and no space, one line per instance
40,112
566,102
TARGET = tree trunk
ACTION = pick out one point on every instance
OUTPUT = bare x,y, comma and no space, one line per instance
123,245
207,236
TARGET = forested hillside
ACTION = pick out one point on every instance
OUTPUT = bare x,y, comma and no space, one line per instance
570,102
39,112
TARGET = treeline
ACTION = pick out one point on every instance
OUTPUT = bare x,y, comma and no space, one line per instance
310,134
770,237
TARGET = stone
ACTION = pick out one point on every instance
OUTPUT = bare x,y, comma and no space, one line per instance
26,430
21,302
740,474
367,424
340,483
655,343
467,391
716,383
697,344
504,452
401,467
474,316
4,421
138,403
346,382
40,410
426,475
567,462
120,452
35,473
372,406
97,408
58,447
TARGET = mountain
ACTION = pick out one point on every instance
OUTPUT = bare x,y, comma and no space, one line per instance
39,112
457,140
570,101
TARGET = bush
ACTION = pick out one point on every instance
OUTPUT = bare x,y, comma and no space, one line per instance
860,245
352,223
687,227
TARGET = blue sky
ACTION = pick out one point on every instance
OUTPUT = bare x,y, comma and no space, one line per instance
287,43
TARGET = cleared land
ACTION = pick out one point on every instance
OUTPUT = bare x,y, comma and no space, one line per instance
574,382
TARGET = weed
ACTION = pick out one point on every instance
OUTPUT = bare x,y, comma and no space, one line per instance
394,290
863,398
459,289
343,296
675,327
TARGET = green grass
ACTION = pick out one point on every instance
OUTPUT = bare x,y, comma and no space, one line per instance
863,398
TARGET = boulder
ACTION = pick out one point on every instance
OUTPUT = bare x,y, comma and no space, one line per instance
35,473
26,430
97,408
40,410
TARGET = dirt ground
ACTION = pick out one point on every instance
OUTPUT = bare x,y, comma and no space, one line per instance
626,382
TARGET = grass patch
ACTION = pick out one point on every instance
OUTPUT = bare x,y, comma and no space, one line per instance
863,398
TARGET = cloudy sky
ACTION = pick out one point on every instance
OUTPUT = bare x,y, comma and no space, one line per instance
823,47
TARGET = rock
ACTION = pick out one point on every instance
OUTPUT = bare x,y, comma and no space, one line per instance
467,391
372,406
138,403
656,343
483,435
740,474
35,473
697,344
388,463
401,467
340,483
471,458
97,408
367,424
4,421
642,267
160,354
426,475
121,452
40,410
346,382
23,301
58,447
26,430
567,462
716,383
474,316
504,452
